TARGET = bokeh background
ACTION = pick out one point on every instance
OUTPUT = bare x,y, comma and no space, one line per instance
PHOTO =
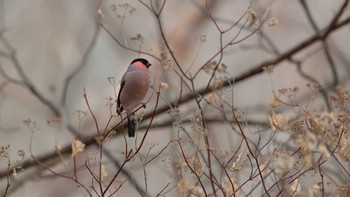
51,50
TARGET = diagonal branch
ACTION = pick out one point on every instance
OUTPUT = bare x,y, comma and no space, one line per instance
26,81
259,69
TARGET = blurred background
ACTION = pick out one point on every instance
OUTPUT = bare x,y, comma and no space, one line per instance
50,51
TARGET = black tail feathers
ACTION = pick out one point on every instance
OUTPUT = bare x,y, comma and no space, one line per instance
131,126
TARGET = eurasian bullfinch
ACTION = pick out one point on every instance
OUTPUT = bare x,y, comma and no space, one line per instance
133,89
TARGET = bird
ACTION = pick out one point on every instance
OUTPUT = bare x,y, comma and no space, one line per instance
134,86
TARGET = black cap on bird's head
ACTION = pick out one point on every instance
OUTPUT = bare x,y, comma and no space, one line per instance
143,61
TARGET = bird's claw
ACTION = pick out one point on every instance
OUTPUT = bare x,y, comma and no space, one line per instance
118,111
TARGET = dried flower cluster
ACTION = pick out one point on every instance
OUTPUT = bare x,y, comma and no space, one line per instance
77,147
238,165
123,10
12,165
269,69
278,122
196,123
313,137
32,125
138,37
273,21
163,86
176,115
186,188
213,66
110,102
202,38
252,18
79,114
55,122
4,151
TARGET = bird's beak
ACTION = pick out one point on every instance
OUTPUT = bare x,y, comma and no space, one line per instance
148,65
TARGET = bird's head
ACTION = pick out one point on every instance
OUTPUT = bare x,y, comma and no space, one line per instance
143,61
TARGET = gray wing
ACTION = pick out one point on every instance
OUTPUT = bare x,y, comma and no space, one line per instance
122,84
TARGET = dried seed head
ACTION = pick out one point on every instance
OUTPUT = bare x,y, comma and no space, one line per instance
273,21
77,147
